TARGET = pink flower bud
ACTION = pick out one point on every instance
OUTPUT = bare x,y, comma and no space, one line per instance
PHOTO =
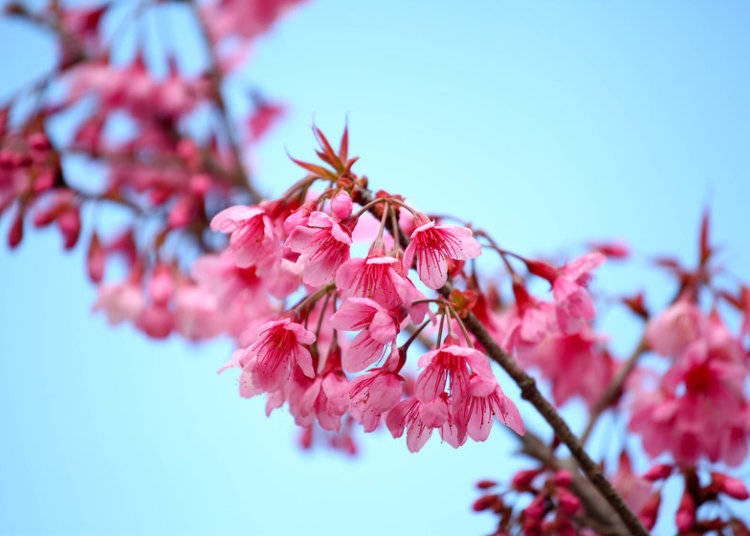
730,486
535,509
161,285
650,510
569,503
341,205
69,223
486,484
543,270
563,478
38,141
522,480
484,503
95,259
15,234
658,472
685,513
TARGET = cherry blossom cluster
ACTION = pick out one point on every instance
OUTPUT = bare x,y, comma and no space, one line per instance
353,308
137,123
553,508
330,333
553,505
683,392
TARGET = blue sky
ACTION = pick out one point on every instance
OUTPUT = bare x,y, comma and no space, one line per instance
549,123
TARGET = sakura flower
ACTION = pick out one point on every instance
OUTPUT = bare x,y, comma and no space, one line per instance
675,328
451,362
527,323
575,309
379,278
377,329
323,245
433,245
253,238
326,397
634,489
485,402
120,301
698,410
576,364
418,419
196,314
281,345
373,394
155,320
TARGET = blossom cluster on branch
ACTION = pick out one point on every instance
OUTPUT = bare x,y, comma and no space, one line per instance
356,310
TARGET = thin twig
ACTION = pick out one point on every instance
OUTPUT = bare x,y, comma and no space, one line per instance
614,389
242,178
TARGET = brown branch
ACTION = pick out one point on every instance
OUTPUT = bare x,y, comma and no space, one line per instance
599,514
242,177
530,392
613,391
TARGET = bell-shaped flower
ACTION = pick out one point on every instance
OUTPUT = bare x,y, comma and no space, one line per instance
323,244
377,329
432,245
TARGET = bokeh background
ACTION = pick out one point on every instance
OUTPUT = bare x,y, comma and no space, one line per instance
550,123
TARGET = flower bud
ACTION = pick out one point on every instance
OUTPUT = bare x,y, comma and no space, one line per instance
658,472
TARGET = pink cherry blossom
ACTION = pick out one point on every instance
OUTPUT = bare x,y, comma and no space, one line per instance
419,419
485,402
432,245
253,237
325,397
196,313
452,363
377,329
575,309
675,328
698,410
576,364
120,301
323,245
281,345
634,489
373,394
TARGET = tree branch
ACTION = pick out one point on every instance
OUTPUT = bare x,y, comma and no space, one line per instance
242,177
530,392
614,389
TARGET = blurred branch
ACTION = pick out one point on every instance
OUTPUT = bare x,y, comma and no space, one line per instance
614,389
242,177
600,514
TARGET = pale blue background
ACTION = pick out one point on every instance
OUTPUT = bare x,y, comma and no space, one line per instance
550,123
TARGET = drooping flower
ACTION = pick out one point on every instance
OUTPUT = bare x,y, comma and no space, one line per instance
377,329
675,328
576,364
281,345
575,309
373,394
419,419
486,402
253,238
323,244
433,245
372,277
325,397
450,362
